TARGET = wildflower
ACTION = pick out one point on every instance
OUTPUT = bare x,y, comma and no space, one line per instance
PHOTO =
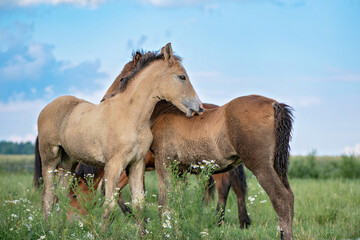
146,231
50,171
14,215
167,235
204,233
90,236
206,162
115,194
81,224
127,203
28,210
202,166
263,201
154,195
55,171
212,161
164,225
30,218
11,229
194,166
168,158
168,223
117,189
43,237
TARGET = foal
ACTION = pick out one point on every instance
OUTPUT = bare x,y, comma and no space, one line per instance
253,130
116,133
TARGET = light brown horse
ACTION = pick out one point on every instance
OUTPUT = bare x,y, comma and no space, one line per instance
253,129
116,133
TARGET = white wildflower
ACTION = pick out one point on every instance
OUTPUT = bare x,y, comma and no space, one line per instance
81,224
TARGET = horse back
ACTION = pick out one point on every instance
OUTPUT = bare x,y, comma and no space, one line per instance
53,116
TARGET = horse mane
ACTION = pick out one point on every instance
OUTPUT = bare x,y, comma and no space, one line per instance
84,171
143,62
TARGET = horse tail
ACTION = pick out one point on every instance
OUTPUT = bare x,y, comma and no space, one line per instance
238,178
210,189
283,126
37,165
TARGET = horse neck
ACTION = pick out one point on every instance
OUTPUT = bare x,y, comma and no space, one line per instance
141,96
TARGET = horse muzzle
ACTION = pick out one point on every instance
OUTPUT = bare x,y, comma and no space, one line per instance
193,106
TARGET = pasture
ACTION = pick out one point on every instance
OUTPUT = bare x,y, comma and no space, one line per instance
326,207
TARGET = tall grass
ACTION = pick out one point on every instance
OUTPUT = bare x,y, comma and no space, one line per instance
324,209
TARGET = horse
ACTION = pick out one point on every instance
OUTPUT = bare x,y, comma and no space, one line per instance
253,130
234,179
114,134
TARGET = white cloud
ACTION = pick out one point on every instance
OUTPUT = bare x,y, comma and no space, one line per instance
19,119
31,67
26,3
355,150
27,138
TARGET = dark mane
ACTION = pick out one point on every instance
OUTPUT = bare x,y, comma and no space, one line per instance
144,61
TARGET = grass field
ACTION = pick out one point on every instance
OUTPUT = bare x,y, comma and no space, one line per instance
324,209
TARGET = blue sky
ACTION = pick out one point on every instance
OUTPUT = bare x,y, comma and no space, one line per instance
304,53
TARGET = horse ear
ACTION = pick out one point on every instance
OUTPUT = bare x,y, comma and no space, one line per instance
137,57
167,51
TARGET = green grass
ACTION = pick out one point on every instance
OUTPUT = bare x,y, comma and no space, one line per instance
324,209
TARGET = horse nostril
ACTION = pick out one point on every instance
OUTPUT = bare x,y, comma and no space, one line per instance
74,196
201,110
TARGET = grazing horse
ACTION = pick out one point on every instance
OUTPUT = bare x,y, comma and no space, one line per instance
253,130
116,133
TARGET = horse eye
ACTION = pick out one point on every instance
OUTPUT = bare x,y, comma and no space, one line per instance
182,77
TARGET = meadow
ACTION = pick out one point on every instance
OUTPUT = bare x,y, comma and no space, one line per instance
327,204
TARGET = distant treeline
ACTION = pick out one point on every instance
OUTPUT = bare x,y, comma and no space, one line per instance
16,148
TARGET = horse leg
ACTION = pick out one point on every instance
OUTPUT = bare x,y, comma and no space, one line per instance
50,160
222,186
279,195
162,174
286,183
122,183
239,186
67,165
137,191
112,172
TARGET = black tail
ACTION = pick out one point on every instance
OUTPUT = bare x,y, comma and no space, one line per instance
37,166
283,126
210,190
237,176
